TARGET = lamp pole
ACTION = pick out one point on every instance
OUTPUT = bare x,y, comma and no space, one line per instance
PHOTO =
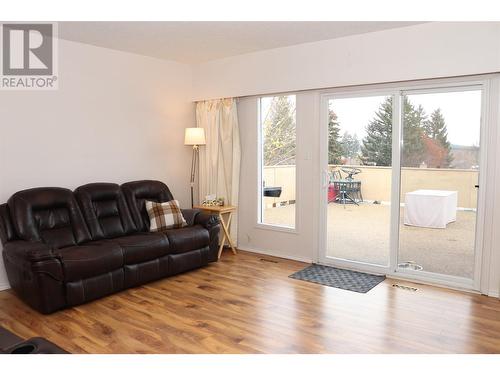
194,137
193,172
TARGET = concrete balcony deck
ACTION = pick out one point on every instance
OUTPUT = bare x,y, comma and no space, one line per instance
361,233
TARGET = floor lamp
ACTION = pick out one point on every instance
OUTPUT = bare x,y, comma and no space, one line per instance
194,137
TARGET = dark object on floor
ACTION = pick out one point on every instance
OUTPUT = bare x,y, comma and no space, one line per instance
274,191
13,344
64,248
404,287
7,338
338,278
35,345
268,260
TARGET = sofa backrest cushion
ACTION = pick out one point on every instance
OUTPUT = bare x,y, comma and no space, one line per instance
138,192
7,231
105,210
50,215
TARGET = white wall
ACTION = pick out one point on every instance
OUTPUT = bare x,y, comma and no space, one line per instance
491,265
116,117
416,52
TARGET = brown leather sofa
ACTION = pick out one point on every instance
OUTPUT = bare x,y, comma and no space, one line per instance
64,248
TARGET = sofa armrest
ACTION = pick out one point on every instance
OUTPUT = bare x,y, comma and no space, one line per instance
36,274
190,215
206,220
211,223
28,250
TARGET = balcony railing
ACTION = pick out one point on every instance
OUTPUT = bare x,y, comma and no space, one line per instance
376,182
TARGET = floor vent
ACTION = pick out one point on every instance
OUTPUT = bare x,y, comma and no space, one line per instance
268,260
409,288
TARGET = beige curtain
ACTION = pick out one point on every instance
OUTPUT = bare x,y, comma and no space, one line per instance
219,171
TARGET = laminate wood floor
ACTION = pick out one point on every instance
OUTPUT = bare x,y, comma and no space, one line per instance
247,304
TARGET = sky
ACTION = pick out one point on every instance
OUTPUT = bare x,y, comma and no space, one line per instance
461,111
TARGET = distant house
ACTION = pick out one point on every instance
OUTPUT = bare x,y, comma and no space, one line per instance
465,157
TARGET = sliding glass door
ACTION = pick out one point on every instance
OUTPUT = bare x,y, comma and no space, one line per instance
439,181
358,177
400,182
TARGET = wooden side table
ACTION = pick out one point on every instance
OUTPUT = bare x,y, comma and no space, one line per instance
221,211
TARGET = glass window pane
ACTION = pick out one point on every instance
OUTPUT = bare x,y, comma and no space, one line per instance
359,192
439,174
278,153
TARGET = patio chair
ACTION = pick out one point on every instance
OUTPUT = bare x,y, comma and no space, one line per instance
335,175
347,191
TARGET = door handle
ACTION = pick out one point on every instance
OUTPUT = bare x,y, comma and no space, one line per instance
326,178
476,186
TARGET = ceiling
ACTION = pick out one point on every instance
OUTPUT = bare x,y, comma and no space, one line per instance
197,42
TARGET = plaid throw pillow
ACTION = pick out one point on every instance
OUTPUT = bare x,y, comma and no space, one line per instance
166,215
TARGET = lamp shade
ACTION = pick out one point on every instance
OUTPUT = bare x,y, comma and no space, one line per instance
194,136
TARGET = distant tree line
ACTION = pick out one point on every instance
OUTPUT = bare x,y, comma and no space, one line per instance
278,131
425,138
345,146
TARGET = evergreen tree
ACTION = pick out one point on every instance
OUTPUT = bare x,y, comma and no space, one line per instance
435,128
279,132
413,135
350,145
334,146
376,147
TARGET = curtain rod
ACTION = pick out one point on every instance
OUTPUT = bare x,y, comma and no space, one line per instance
358,85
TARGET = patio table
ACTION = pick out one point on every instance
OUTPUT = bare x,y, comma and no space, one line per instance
430,208
347,191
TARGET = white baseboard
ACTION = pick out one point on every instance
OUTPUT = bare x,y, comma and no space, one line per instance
4,286
494,293
274,254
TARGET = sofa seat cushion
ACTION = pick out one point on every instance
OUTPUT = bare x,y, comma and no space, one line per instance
90,259
187,239
142,247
